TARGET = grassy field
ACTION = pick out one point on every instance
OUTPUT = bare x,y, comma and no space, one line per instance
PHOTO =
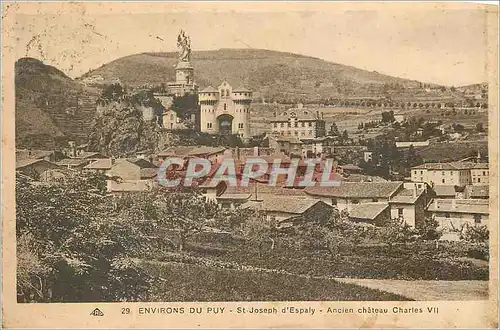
187,282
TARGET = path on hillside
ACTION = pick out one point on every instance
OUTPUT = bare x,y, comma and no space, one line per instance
419,290
426,290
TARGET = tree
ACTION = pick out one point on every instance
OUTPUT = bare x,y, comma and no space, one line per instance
396,231
345,136
73,247
428,229
186,211
479,127
334,131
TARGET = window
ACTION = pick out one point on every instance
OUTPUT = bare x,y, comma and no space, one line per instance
227,92
303,124
225,106
442,173
334,201
442,181
400,212
209,125
355,201
415,172
310,124
421,172
477,218
289,125
282,125
451,173
478,180
447,215
296,133
275,125
484,173
296,124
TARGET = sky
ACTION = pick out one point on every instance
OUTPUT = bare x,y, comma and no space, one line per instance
429,44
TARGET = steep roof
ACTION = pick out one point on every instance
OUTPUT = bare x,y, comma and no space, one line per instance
357,190
299,114
33,154
292,205
367,211
27,162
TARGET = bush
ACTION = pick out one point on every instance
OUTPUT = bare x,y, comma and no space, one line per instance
479,251
476,234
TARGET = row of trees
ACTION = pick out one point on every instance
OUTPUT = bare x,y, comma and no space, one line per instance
75,243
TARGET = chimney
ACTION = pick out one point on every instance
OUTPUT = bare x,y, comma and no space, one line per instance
256,151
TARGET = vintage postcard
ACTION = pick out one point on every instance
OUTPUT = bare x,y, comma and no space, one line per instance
249,165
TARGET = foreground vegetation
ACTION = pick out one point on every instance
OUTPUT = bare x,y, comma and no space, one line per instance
76,243
187,282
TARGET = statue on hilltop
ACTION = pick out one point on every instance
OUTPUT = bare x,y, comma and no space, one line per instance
184,43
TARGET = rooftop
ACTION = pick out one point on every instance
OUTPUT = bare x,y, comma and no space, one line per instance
291,205
367,211
357,190
100,164
444,190
209,89
406,196
482,191
72,162
27,162
451,166
471,206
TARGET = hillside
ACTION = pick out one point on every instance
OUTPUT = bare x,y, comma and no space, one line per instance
270,74
51,108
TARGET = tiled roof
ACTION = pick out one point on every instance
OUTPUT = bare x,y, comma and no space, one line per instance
203,150
451,166
350,167
478,191
100,164
176,151
406,196
209,89
27,162
90,154
142,163
128,186
472,206
265,189
444,190
234,196
33,154
242,89
480,166
72,162
292,205
148,173
300,114
357,190
367,211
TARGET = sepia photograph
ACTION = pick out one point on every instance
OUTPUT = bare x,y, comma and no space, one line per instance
193,153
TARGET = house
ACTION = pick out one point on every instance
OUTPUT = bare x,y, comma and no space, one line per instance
348,194
213,154
368,156
348,169
49,155
480,174
232,201
126,187
90,155
454,214
37,169
477,192
298,122
454,173
291,210
444,191
132,169
73,163
373,213
100,165
409,204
